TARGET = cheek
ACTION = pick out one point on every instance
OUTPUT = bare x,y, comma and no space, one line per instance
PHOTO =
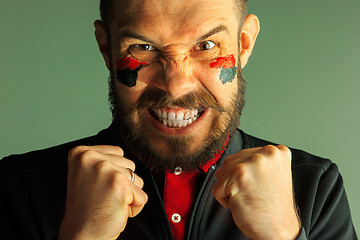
127,97
208,77
211,79
126,70
227,65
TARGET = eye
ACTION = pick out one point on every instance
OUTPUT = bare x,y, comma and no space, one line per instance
144,51
205,45
144,47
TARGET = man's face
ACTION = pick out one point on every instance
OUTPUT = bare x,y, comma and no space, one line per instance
175,63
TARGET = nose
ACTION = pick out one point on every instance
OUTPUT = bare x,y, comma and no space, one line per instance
177,77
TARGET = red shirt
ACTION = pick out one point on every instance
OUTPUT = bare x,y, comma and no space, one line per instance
179,196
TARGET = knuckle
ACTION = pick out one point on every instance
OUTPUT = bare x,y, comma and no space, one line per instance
131,165
260,162
141,181
270,150
240,174
144,197
119,150
85,156
240,179
245,182
76,150
81,157
284,150
239,169
257,158
234,189
102,166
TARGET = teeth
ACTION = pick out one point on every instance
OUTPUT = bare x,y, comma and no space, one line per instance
187,115
185,123
180,116
180,119
171,116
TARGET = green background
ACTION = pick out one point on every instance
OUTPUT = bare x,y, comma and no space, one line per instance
302,79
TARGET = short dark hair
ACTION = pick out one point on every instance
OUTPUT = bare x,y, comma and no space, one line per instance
106,7
242,10
106,10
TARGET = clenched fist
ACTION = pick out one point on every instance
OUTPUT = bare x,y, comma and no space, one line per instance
256,185
100,194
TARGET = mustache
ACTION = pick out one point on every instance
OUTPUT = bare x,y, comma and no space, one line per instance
158,99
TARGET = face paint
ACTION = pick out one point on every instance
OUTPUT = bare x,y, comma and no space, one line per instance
228,70
127,70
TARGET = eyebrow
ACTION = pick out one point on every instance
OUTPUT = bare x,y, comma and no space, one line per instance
130,34
220,28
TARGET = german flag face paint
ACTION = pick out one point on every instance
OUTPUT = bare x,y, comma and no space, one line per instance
228,69
127,70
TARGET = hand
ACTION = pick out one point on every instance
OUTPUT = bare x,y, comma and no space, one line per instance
100,194
256,184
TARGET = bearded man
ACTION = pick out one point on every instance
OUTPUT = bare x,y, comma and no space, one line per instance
176,91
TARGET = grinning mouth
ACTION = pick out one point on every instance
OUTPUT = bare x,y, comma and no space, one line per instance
176,118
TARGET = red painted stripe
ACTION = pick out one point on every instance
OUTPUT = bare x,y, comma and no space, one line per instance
129,63
224,62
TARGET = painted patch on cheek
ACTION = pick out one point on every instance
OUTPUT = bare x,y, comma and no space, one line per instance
127,70
228,69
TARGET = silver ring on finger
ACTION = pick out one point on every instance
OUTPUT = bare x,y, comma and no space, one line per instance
132,175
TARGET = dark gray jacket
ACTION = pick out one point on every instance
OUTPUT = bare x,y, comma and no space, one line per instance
33,190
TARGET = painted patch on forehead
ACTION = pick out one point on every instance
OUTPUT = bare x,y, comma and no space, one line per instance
228,69
127,70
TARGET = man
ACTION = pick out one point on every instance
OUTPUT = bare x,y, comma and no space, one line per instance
176,89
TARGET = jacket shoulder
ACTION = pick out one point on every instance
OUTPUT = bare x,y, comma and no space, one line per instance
48,159
299,157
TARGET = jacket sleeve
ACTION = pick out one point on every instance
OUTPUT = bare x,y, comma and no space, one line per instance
16,216
30,201
302,235
328,213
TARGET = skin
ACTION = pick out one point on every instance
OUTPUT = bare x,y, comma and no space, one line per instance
179,70
255,184
100,195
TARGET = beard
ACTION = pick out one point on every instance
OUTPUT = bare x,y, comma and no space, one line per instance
130,126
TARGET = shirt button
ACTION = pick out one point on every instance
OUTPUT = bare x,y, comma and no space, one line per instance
176,218
178,171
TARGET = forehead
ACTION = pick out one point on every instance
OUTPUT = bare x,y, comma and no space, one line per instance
165,19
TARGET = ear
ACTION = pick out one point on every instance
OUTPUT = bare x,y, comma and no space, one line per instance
102,39
249,33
